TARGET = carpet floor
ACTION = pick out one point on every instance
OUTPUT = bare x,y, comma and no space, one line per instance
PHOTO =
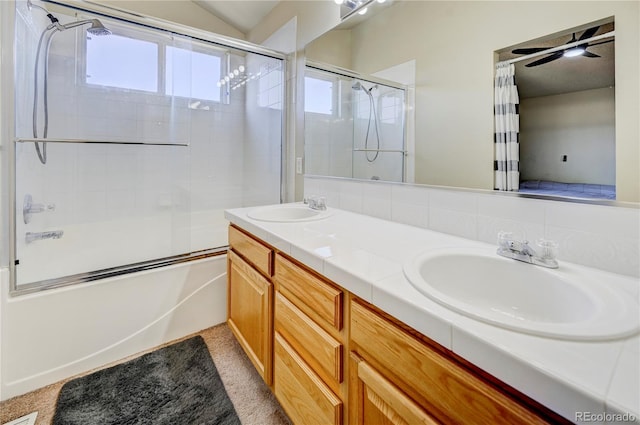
252,399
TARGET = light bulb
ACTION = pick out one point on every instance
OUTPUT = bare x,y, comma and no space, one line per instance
236,72
241,68
362,11
219,84
226,78
231,75
573,52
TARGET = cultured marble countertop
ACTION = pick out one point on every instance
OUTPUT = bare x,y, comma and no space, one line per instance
365,255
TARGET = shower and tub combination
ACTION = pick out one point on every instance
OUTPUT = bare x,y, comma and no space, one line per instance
122,161
355,125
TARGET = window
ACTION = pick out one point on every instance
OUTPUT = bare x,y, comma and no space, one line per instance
192,74
318,95
122,62
134,64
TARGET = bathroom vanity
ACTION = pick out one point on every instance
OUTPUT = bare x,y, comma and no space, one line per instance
341,338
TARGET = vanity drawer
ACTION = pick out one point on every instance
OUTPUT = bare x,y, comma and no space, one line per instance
448,391
319,299
319,349
302,394
252,250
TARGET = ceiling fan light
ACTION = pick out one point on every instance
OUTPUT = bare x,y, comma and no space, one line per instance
573,52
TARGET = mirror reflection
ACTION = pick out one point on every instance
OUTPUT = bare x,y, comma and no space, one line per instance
453,49
353,127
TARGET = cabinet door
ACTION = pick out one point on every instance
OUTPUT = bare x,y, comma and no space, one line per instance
375,400
249,313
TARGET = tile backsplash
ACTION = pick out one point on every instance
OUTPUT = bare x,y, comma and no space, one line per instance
599,236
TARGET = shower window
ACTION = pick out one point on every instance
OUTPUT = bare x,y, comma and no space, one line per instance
131,62
122,62
319,95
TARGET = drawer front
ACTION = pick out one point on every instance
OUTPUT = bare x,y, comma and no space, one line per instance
255,252
451,393
319,299
302,394
317,348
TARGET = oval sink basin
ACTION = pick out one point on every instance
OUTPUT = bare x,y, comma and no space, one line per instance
523,297
287,213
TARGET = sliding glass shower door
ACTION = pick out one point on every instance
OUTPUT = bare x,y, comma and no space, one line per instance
130,145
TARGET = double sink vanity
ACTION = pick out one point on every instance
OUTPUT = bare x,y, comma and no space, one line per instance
355,320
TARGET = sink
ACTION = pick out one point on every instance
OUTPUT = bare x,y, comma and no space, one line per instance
287,213
563,303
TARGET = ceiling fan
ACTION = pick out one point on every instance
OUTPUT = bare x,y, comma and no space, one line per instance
579,50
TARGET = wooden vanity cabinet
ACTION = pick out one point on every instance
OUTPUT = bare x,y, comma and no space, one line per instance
333,359
250,298
397,377
309,345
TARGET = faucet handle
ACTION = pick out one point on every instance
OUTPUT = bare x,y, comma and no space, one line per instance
548,249
505,239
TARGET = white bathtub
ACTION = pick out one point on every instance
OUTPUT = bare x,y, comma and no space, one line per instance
54,334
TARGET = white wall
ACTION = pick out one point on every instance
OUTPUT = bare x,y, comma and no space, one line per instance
180,11
580,125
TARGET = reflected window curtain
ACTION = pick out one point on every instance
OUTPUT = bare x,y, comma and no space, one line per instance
507,128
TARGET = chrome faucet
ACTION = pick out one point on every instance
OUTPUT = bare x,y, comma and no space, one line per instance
38,236
28,208
522,251
316,202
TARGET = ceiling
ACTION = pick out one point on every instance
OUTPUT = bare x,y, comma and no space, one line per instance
565,75
241,14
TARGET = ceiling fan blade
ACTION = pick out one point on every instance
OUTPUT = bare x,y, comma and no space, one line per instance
528,50
601,42
590,55
551,57
589,33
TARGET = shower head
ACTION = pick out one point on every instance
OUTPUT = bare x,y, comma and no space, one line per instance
96,28
358,86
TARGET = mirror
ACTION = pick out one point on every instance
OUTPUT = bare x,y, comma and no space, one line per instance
453,48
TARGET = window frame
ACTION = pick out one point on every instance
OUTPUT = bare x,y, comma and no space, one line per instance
170,41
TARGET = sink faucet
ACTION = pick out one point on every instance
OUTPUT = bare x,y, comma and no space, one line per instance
522,251
316,203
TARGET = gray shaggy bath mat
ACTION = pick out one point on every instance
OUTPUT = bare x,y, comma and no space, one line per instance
175,385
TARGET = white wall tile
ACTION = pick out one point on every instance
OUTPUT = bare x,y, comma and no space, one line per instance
603,237
376,200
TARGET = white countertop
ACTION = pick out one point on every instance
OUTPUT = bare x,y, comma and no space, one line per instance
365,256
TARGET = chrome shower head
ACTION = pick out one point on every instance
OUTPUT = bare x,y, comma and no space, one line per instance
358,86
96,28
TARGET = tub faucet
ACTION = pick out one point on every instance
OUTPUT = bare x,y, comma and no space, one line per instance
522,251
38,236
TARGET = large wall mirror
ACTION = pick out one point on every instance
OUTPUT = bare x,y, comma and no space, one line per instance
579,133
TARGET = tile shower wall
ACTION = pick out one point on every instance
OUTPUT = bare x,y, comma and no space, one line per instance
603,237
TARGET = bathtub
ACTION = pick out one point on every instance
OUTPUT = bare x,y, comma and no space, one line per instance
50,335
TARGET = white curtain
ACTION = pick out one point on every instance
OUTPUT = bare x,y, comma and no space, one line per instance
507,127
